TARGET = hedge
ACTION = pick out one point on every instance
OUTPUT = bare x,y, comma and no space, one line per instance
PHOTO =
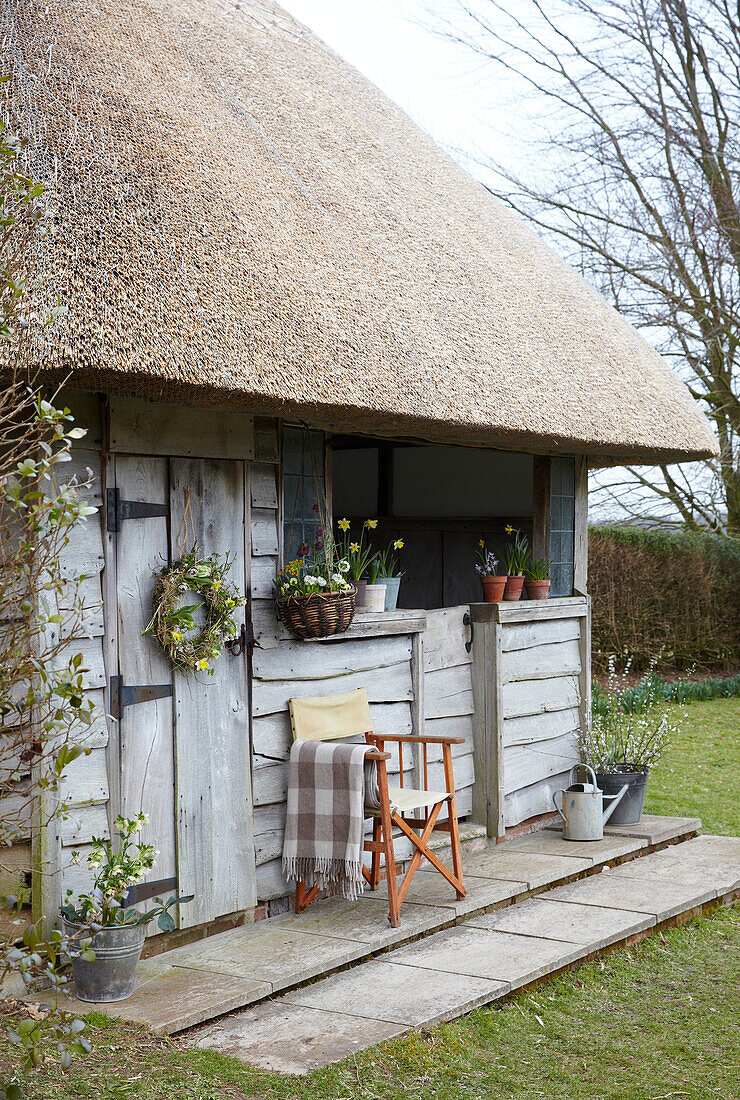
671,594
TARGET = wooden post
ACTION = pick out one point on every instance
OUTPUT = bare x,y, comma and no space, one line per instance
580,542
541,507
488,793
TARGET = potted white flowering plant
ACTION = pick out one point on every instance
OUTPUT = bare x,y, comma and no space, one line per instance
631,728
315,597
108,934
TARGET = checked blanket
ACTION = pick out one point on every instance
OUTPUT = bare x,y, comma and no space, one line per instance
328,787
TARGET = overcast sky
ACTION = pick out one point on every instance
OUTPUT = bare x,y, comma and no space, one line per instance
436,82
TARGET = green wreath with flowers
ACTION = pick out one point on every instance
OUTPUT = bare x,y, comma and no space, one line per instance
189,647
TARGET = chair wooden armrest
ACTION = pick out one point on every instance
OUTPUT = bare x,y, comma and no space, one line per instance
412,739
377,756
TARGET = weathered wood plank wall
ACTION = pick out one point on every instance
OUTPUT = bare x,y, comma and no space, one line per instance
532,696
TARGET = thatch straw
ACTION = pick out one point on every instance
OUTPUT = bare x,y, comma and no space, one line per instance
245,220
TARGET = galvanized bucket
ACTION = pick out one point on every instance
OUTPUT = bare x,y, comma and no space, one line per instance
582,808
111,976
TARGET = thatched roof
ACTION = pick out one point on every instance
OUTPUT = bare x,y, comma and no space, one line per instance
246,221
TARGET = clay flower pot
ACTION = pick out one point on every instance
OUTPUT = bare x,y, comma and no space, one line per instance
538,590
514,586
493,588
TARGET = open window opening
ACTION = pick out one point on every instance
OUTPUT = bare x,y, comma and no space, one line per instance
441,500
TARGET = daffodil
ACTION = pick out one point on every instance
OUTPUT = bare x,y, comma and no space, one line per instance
509,530
203,664
177,635
482,543
216,585
371,523
343,525
398,544
354,547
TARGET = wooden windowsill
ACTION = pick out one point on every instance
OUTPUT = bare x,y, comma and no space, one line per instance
524,611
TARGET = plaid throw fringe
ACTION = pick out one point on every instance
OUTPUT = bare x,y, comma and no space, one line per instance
326,813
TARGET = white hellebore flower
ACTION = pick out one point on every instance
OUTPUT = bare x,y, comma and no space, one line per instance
321,581
343,566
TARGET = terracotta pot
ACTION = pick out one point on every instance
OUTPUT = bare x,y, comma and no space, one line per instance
493,588
538,590
514,586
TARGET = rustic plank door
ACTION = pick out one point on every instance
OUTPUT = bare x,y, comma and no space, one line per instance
185,759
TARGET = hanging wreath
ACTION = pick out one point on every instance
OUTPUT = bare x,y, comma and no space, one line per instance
189,648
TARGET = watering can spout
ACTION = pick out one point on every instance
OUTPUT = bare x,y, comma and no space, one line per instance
615,799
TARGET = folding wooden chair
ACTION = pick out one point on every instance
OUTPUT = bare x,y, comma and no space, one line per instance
331,717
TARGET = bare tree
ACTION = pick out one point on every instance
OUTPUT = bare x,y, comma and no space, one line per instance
640,184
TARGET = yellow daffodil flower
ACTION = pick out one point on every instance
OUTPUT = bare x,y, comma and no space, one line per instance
398,544
216,585
343,525
354,547
481,542
177,635
371,523
203,663
509,530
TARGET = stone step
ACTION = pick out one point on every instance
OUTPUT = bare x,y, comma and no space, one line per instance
488,957
199,981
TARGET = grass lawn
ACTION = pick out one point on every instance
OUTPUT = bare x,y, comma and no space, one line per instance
657,1020
702,769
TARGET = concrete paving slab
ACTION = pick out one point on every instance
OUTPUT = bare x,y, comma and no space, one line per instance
548,843
366,920
171,998
381,990
707,859
504,862
656,829
615,890
429,889
288,1038
500,956
271,951
592,925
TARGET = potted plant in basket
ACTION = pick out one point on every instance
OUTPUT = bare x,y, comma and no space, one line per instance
537,579
629,733
359,555
486,567
315,598
108,936
516,557
390,573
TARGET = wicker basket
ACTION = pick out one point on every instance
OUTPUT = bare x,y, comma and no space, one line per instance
317,615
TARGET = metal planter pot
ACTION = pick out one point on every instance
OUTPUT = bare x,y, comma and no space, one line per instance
629,810
391,592
111,976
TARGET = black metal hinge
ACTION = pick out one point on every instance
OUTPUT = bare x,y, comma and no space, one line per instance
117,510
146,890
124,696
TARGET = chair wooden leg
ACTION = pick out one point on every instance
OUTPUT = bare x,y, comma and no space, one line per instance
386,828
454,827
418,855
375,865
303,899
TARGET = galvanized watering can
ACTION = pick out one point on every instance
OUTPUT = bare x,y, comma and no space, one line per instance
582,809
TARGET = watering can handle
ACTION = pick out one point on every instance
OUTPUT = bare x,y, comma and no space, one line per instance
615,800
555,802
588,768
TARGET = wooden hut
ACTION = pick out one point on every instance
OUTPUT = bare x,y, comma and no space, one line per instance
262,258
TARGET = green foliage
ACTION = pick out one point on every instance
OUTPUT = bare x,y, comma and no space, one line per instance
537,570
517,553
671,593
362,558
118,863
670,691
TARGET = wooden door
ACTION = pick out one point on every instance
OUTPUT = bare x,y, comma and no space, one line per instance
185,758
